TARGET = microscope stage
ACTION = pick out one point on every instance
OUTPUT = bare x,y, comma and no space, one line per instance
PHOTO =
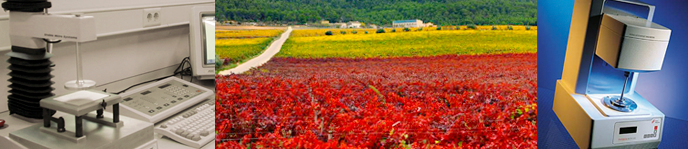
642,110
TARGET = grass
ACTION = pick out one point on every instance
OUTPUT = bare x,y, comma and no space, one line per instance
238,46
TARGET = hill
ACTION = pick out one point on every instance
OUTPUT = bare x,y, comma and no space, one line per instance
441,12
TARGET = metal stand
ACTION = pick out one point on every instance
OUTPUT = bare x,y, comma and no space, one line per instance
79,120
621,103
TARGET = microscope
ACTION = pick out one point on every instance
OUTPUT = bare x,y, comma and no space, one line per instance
32,32
596,99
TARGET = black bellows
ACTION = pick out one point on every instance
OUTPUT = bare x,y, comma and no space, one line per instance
30,69
30,82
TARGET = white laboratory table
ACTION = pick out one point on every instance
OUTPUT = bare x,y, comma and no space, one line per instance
14,124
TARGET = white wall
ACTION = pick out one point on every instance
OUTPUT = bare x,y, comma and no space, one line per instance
125,52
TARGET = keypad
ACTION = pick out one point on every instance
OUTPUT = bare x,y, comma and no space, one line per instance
158,99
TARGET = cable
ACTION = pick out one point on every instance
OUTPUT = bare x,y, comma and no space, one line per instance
48,41
180,70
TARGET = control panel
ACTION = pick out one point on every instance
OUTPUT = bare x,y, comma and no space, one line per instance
637,131
159,100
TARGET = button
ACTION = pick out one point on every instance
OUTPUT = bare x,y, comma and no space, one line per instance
204,133
185,85
179,131
190,135
163,126
159,108
180,98
173,101
151,111
196,138
166,104
186,96
184,134
655,127
2,123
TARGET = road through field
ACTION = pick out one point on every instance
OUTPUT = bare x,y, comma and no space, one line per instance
262,58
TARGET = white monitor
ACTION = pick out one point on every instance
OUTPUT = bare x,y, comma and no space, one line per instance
202,37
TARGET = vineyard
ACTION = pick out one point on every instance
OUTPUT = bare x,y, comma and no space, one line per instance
417,89
236,46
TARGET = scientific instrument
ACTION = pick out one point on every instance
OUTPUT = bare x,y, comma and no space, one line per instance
31,29
161,103
596,100
202,36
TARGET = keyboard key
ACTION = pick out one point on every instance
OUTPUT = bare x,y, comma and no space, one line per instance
204,133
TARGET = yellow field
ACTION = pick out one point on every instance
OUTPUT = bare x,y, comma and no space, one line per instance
238,42
247,33
412,43
234,47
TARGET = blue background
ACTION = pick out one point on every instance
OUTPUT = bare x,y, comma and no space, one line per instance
665,89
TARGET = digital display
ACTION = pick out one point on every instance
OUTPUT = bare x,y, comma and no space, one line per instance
626,130
208,24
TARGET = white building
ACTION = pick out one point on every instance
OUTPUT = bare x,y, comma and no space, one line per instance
340,25
408,23
353,24
429,24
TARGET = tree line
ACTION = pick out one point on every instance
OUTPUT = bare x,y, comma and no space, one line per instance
381,12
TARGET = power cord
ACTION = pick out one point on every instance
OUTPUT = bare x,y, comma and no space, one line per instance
179,71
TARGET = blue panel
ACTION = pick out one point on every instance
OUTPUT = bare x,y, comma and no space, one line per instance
665,89
605,79
554,21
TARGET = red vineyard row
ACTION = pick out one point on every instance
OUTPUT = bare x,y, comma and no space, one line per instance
481,101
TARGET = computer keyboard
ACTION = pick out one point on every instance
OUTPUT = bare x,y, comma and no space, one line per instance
194,127
181,110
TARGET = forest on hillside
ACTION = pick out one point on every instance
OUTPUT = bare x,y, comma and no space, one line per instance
382,12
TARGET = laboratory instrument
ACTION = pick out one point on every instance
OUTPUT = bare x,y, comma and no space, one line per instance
82,122
30,27
596,99
202,44
181,110
84,118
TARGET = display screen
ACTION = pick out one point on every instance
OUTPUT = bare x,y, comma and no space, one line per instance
626,130
208,21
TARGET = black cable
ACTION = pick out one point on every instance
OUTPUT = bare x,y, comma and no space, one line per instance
48,41
190,70
180,70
